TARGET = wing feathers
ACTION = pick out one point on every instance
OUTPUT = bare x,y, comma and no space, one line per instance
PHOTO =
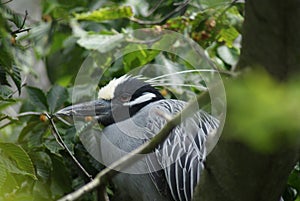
181,156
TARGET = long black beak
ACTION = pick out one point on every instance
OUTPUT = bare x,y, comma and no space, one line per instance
100,109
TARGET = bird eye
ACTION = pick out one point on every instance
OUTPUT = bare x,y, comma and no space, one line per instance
125,97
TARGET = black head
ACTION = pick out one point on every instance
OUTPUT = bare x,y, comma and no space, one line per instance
120,99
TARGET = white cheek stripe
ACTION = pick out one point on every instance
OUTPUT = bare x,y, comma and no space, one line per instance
144,98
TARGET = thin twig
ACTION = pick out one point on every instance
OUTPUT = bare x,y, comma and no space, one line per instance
20,29
162,20
24,20
12,119
63,145
106,174
28,114
63,121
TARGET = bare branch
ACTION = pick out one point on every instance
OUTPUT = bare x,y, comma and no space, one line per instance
24,20
29,114
106,174
13,119
20,31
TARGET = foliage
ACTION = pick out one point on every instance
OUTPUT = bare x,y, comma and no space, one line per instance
262,95
106,14
33,165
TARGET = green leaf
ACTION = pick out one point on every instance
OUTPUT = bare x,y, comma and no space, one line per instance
91,138
213,3
35,136
6,56
37,98
7,103
266,124
229,55
32,134
102,43
56,97
41,191
14,72
13,17
21,197
10,184
140,55
52,145
5,91
30,127
294,179
228,36
61,177
43,165
20,157
3,174
106,14
3,77
15,75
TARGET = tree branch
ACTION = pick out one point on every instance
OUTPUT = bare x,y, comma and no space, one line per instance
168,16
106,174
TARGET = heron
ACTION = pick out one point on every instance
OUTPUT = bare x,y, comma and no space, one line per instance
130,109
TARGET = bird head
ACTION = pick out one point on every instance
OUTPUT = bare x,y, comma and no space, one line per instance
120,99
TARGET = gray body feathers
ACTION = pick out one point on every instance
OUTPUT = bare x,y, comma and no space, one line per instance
172,171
